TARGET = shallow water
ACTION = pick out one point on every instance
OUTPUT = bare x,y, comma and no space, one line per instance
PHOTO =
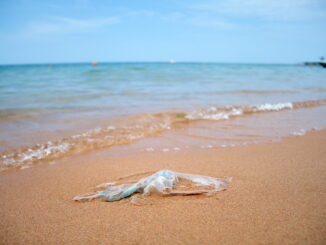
50,111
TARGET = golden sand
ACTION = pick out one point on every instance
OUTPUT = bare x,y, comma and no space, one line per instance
277,197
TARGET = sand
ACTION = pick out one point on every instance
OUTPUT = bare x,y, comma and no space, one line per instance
277,197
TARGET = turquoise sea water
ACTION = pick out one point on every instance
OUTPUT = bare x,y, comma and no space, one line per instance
153,85
51,102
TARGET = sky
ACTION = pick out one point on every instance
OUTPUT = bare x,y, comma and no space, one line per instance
241,31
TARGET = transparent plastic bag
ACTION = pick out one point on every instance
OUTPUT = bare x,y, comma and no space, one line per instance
164,182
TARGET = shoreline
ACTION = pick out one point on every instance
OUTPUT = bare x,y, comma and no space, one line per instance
212,127
277,196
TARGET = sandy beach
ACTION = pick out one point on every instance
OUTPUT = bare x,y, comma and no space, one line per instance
277,197
163,122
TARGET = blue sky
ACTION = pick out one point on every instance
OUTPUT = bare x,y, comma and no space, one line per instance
268,31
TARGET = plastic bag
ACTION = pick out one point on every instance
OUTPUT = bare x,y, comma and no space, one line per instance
164,182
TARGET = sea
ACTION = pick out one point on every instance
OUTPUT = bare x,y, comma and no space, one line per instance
53,111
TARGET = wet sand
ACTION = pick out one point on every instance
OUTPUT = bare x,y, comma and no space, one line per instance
277,197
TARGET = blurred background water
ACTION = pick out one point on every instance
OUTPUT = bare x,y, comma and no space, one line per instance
133,87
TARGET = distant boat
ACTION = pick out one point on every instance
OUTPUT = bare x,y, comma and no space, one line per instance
172,61
321,63
94,63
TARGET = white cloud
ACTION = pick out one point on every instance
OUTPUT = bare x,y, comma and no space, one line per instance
63,25
269,9
197,19
142,12
211,22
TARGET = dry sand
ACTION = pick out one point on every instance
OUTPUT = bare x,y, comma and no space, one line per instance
277,197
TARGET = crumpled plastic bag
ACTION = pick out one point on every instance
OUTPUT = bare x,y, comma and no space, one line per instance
164,182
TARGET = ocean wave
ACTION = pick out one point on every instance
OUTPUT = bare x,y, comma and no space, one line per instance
222,113
255,92
137,127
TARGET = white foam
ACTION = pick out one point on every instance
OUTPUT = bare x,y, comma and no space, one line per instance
9,161
76,136
110,127
225,113
149,149
134,137
211,114
165,125
213,108
29,155
96,130
299,133
273,107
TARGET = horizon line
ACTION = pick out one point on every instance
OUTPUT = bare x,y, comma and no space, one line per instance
164,62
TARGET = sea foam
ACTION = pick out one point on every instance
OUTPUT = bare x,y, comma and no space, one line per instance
148,125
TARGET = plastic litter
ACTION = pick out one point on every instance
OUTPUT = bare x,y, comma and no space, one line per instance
164,183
